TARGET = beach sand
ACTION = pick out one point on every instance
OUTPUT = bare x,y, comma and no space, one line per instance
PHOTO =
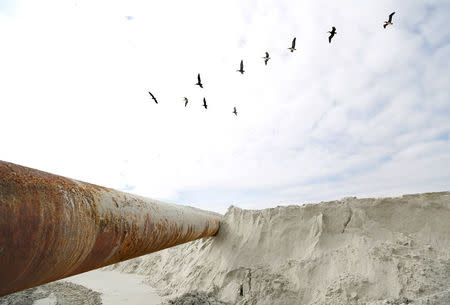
90,288
371,251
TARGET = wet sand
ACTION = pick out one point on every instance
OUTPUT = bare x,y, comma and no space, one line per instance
118,288
90,288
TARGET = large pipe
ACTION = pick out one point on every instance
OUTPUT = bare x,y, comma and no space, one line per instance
53,227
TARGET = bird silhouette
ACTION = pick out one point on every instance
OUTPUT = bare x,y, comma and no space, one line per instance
199,81
292,48
241,67
204,103
235,111
266,58
386,23
153,97
332,33
185,101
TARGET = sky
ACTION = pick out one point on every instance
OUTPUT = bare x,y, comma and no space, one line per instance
367,115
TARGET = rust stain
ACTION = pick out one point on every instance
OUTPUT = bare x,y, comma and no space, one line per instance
53,227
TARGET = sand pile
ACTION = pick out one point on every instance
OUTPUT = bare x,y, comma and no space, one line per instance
56,293
196,298
91,288
352,251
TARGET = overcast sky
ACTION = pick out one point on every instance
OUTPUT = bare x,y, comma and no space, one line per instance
367,115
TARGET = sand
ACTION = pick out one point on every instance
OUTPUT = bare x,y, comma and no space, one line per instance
118,288
348,252
56,293
351,251
90,288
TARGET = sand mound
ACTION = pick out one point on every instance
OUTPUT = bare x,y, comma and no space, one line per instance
58,293
196,298
352,251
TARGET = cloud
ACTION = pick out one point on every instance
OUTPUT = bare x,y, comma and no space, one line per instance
328,120
8,7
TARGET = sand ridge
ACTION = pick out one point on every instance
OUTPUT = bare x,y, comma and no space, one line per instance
56,293
350,251
390,251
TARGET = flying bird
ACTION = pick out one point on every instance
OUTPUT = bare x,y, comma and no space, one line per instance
241,67
204,103
235,111
185,101
293,45
199,81
386,23
153,97
332,33
266,58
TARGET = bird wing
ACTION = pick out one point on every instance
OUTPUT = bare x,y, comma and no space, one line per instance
198,78
385,25
242,65
390,16
267,54
329,38
153,97
293,42
266,60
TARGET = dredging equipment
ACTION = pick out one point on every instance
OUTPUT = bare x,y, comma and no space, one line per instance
52,227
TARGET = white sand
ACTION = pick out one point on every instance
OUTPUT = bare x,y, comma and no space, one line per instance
50,300
55,293
91,288
352,251
117,288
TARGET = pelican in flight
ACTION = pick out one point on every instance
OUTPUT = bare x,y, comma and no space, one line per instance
266,58
199,81
386,23
204,103
332,33
235,111
185,101
293,45
153,97
241,68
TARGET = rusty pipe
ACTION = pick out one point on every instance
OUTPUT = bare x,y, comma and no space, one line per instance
52,227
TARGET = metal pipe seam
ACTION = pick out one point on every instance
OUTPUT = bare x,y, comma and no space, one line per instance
52,227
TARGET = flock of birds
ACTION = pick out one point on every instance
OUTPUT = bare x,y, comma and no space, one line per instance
266,59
